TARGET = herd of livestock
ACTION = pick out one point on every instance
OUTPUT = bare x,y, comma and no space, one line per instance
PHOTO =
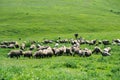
39,50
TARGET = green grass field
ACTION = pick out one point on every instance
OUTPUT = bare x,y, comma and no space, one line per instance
40,19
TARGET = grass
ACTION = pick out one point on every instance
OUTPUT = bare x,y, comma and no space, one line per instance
49,19
41,19
62,67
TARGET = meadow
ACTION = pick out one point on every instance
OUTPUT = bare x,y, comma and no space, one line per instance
49,19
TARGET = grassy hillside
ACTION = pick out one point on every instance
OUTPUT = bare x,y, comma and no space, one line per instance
39,19
51,18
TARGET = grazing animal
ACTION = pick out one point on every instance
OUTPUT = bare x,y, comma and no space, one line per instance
11,46
42,48
15,53
69,51
3,46
16,45
38,54
56,51
32,47
22,47
106,51
27,54
47,41
48,52
87,52
97,50
106,42
56,45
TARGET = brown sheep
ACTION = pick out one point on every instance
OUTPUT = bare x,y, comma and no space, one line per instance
27,54
15,53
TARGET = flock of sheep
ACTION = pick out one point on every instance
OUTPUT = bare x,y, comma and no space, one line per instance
36,50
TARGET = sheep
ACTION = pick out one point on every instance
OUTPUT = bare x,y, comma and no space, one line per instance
74,42
98,43
56,45
38,45
69,51
63,41
32,47
116,40
27,54
3,46
75,49
81,53
42,48
11,46
97,50
106,51
22,47
92,42
16,45
76,45
62,50
15,53
106,42
38,54
56,51
86,52
48,52
47,41
8,42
